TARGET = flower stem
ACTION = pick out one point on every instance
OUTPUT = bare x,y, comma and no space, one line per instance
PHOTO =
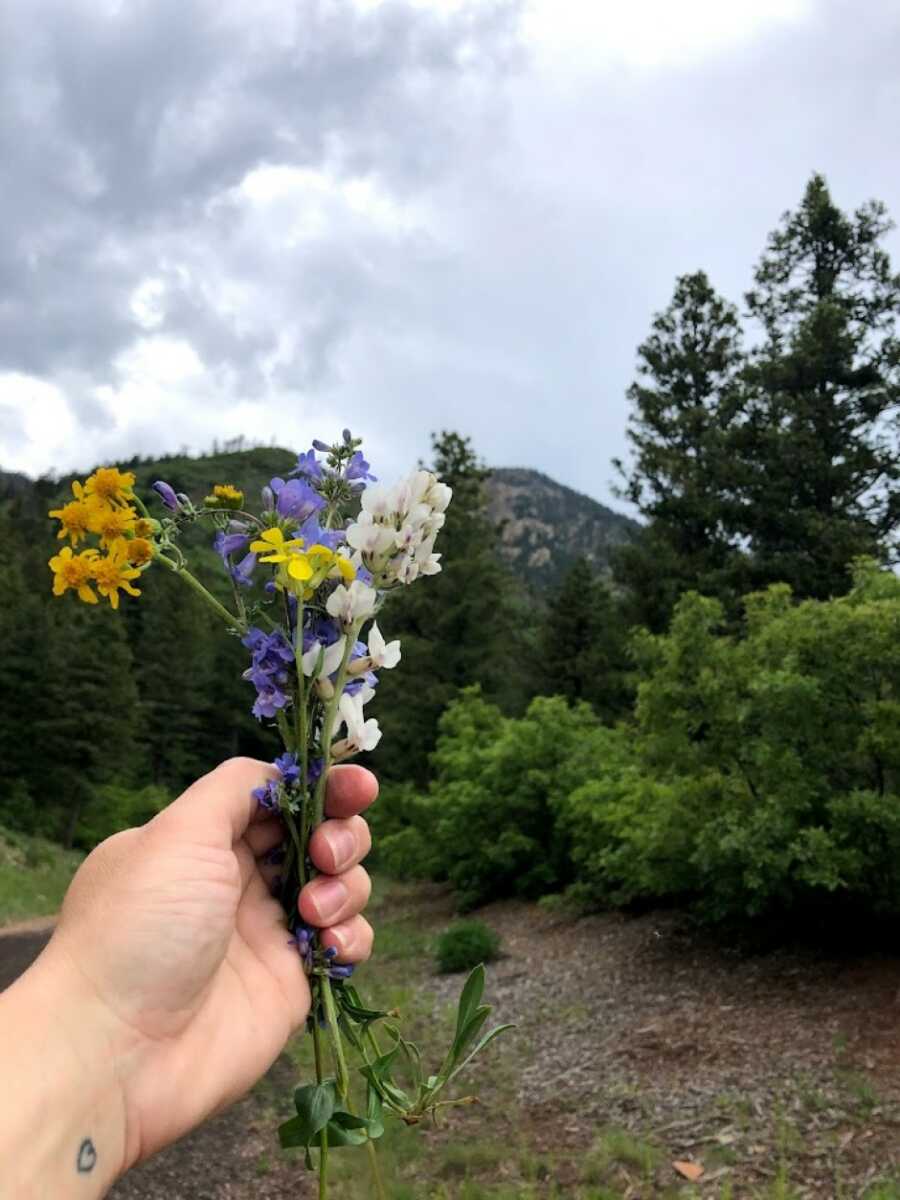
234,623
328,721
323,1136
376,1171
334,1036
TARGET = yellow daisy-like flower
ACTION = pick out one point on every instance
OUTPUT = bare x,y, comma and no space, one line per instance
144,528
75,516
224,495
75,572
310,567
110,485
138,551
112,523
275,546
112,572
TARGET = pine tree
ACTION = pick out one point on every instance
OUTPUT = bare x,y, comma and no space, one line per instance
687,402
583,644
820,482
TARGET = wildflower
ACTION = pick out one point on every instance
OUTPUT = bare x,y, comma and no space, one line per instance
144,528
332,656
267,796
227,544
295,499
275,546
378,654
357,470
166,493
110,485
112,572
269,670
352,604
308,465
224,495
242,573
112,524
395,531
74,571
288,768
362,734
139,551
75,516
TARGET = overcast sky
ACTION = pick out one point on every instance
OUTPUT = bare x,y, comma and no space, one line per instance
282,217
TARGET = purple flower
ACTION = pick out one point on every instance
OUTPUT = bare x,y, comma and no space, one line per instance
267,796
268,498
288,768
314,535
242,574
357,470
342,971
308,465
271,658
166,493
295,499
321,446
347,436
229,543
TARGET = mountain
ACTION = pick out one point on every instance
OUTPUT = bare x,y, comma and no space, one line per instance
545,525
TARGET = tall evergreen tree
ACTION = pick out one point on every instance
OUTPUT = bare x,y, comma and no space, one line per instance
583,644
820,478
686,402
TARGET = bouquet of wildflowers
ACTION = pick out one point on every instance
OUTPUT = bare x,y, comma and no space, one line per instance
308,575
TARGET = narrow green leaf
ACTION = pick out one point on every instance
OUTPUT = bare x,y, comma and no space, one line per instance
375,1112
485,1041
469,1032
470,997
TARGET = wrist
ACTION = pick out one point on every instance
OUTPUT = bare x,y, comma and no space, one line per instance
64,1129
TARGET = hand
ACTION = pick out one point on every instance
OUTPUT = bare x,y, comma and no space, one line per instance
170,939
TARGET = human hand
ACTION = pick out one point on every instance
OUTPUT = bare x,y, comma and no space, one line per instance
171,940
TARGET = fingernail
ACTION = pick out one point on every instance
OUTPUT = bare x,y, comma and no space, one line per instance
330,896
343,847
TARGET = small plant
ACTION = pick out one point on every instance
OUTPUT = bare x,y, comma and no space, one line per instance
465,945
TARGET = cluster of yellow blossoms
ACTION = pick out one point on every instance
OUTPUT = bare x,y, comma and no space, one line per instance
102,506
301,568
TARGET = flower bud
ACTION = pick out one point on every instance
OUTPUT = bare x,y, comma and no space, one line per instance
166,493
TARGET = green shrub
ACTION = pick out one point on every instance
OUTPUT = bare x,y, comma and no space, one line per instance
466,944
402,823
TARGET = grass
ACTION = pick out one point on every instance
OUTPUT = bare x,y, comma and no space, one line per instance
34,875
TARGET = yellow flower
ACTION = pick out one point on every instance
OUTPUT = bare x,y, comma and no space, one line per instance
74,571
310,567
113,571
74,516
111,523
110,485
144,528
224,495
275,546
138,551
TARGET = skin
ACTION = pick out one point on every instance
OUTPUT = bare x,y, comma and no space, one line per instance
168,987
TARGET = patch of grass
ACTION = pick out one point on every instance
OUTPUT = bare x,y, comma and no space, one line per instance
860,1091
886,1189
34,875
616,1148
465,1158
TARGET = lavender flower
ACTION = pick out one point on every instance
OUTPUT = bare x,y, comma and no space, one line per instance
288,768
166,493
357,470
271,657
308,466
295,499
242,573
226,544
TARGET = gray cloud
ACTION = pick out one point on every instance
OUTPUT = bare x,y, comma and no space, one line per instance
398,218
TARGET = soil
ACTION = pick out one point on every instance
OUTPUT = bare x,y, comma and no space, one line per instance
743,1066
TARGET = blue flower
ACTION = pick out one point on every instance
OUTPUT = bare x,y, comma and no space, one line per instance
242,573
166,493
267,796
288,768
357,470
271,658
226,544
295,499
308,465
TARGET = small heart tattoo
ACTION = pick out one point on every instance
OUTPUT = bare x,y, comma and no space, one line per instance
87,1157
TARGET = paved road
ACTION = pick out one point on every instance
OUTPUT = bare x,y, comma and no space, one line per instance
18,951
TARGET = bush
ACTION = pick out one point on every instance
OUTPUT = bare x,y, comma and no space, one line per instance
764,776
465,945
402,823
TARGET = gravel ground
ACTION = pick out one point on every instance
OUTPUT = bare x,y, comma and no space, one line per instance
739,1064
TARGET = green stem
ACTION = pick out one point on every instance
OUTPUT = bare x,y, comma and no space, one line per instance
334,1036
323,1136
234,623
376,1171
328,721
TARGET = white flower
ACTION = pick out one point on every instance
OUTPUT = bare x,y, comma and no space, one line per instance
438,496
350,604
361,734
382,654
368,537
331,659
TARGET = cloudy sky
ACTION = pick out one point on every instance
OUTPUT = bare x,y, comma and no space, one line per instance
282,217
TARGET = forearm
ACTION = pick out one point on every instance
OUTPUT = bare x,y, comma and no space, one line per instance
62,1117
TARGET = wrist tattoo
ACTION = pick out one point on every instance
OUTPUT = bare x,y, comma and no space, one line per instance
87,1157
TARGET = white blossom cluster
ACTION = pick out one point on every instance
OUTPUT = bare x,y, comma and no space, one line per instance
397,526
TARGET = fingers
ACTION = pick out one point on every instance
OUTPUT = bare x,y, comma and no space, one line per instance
265,835
352,939
221,805
350,790
329,900
337,846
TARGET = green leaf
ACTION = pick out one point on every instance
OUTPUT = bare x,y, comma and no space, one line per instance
469,1032
470,997
375,1112
344,1129
485,1041
315,1105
